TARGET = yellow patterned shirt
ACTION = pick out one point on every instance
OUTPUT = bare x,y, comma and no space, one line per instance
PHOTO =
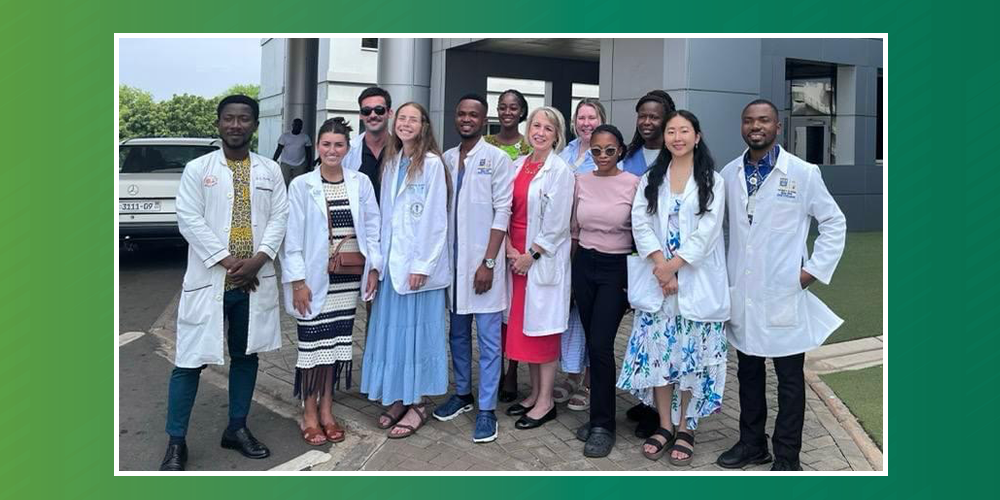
241,232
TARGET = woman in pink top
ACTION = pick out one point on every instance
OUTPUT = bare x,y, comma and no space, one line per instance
601,227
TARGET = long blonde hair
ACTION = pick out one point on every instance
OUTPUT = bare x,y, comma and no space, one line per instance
425,143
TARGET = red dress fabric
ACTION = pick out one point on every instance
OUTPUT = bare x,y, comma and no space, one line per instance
519,346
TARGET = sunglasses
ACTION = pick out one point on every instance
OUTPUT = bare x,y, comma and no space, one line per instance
367,110
610,151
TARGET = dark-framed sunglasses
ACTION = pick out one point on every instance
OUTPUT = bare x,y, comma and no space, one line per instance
379,110
610,151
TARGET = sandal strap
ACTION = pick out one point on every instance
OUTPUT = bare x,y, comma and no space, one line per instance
685,436
683,449
655,444
665,433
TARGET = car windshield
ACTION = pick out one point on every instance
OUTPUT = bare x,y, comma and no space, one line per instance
163,159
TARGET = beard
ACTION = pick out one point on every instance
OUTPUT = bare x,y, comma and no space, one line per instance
238,144
469,136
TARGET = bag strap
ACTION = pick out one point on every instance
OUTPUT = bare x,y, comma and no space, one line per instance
329,227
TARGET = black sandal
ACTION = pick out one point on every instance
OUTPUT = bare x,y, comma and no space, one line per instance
683,449
660,447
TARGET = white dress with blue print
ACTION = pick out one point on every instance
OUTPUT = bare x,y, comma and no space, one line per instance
667,349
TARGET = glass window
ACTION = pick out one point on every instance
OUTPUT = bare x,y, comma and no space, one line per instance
369,43
160,159
812,100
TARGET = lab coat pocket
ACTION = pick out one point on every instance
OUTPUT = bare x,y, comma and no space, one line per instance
785,216
782,307
267,292
195,308
481,188
545,271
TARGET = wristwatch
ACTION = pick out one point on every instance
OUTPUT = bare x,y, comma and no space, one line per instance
534,255
490,263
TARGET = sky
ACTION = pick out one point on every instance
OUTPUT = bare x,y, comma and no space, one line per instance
200,66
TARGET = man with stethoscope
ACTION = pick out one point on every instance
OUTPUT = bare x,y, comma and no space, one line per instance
772,196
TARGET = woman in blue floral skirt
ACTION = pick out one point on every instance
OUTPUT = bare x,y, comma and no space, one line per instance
676,357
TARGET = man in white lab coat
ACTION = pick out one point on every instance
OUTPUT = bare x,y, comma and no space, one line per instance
772,196
232,210
480,211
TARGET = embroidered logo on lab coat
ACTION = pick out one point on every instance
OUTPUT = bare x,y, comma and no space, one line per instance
485,167
210,181
416,210
787,189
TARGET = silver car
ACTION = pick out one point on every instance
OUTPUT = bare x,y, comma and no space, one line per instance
149,175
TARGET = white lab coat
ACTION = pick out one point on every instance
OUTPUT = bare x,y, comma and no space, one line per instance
771,315
482,205
702,284
414,235
305,254
204,214
550,203
353,159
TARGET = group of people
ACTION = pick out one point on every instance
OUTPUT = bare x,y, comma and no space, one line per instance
544,244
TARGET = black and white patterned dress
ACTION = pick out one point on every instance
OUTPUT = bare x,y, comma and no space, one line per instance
325,344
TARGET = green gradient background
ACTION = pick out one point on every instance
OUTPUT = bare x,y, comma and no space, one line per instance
57,314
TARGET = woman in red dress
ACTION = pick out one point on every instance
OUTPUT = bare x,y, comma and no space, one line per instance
538,251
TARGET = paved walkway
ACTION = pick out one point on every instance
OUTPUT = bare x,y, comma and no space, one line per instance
447,446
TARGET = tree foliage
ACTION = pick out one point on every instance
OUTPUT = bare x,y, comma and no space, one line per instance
182,115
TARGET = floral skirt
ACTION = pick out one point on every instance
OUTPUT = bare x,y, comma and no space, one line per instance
666,349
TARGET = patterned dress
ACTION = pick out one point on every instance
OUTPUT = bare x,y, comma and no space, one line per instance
514,151
667,349
325,343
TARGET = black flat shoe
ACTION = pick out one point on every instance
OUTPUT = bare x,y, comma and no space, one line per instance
507,396
517,409
526,422
786,466
244,442
741,455
175,459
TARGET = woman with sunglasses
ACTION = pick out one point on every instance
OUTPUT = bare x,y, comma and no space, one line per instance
575,389
601,227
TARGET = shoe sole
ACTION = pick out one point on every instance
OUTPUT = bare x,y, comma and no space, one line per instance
460,411
755,461
235,445
578,407
486,439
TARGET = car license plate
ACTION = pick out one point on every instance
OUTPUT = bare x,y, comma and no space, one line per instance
138,206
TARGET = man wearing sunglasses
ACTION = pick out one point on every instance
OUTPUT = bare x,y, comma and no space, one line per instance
366,150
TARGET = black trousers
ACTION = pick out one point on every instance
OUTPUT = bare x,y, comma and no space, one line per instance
787,438
599,282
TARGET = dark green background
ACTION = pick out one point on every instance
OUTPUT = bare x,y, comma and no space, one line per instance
57,313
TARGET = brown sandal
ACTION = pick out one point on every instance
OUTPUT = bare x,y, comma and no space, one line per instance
421,411
310,435
660,448
392,418
334,432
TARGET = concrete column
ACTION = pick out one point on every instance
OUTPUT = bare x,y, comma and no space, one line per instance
404,69
301,63
855,121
